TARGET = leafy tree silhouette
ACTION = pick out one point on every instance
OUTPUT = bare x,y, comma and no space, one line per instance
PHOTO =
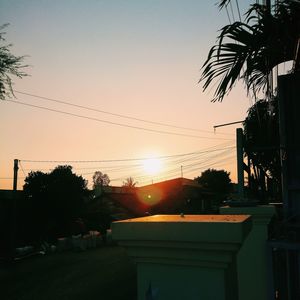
216,181
100,179
55,200
9,65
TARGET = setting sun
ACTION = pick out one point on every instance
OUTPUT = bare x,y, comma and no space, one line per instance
152,166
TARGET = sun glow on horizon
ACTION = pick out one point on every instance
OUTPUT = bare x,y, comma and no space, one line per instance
152,166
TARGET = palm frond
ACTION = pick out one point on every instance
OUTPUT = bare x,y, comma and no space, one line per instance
223,3
250,50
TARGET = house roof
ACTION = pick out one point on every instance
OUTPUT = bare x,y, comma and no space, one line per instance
176,181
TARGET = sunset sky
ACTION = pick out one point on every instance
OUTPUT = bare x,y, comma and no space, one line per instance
131,60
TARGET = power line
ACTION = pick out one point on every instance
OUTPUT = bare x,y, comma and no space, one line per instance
227,14
233,18
115,114
238,10
22,168
189,170
135,170
169,171
197,165
117,124
170,167
195,160
125,159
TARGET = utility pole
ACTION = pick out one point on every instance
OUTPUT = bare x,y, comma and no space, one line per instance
13,214
226,124
181,171
16,168
240,162
239,156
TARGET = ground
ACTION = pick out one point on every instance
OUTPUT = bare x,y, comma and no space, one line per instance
104,273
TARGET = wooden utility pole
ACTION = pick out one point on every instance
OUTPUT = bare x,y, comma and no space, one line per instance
16,168
13,214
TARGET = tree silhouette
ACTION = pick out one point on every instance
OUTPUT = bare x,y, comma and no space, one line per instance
130,183
55,200
100,179
9,65
216,181
261,145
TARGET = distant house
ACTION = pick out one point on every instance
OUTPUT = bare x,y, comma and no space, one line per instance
179,195
117,202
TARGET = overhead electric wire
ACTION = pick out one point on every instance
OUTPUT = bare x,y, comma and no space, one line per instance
207,161
169,166
200,166
171,163
171,170
196,156
9,178
238,10
21,168
115,114
178,171
110,168
169,173
227,14
106,168
209,164
201,153
190,162
218,164
233,17
124,159
114,123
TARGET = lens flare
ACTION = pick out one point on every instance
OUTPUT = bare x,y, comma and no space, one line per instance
150,196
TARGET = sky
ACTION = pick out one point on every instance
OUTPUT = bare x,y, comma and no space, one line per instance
132,60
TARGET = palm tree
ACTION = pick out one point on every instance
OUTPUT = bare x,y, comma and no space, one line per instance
130,183
250,50
261,147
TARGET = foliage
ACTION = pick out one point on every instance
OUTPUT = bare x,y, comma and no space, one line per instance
223,3
261,133
261,142
249,50
55,199
217,181
100,179
130,183
9,65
